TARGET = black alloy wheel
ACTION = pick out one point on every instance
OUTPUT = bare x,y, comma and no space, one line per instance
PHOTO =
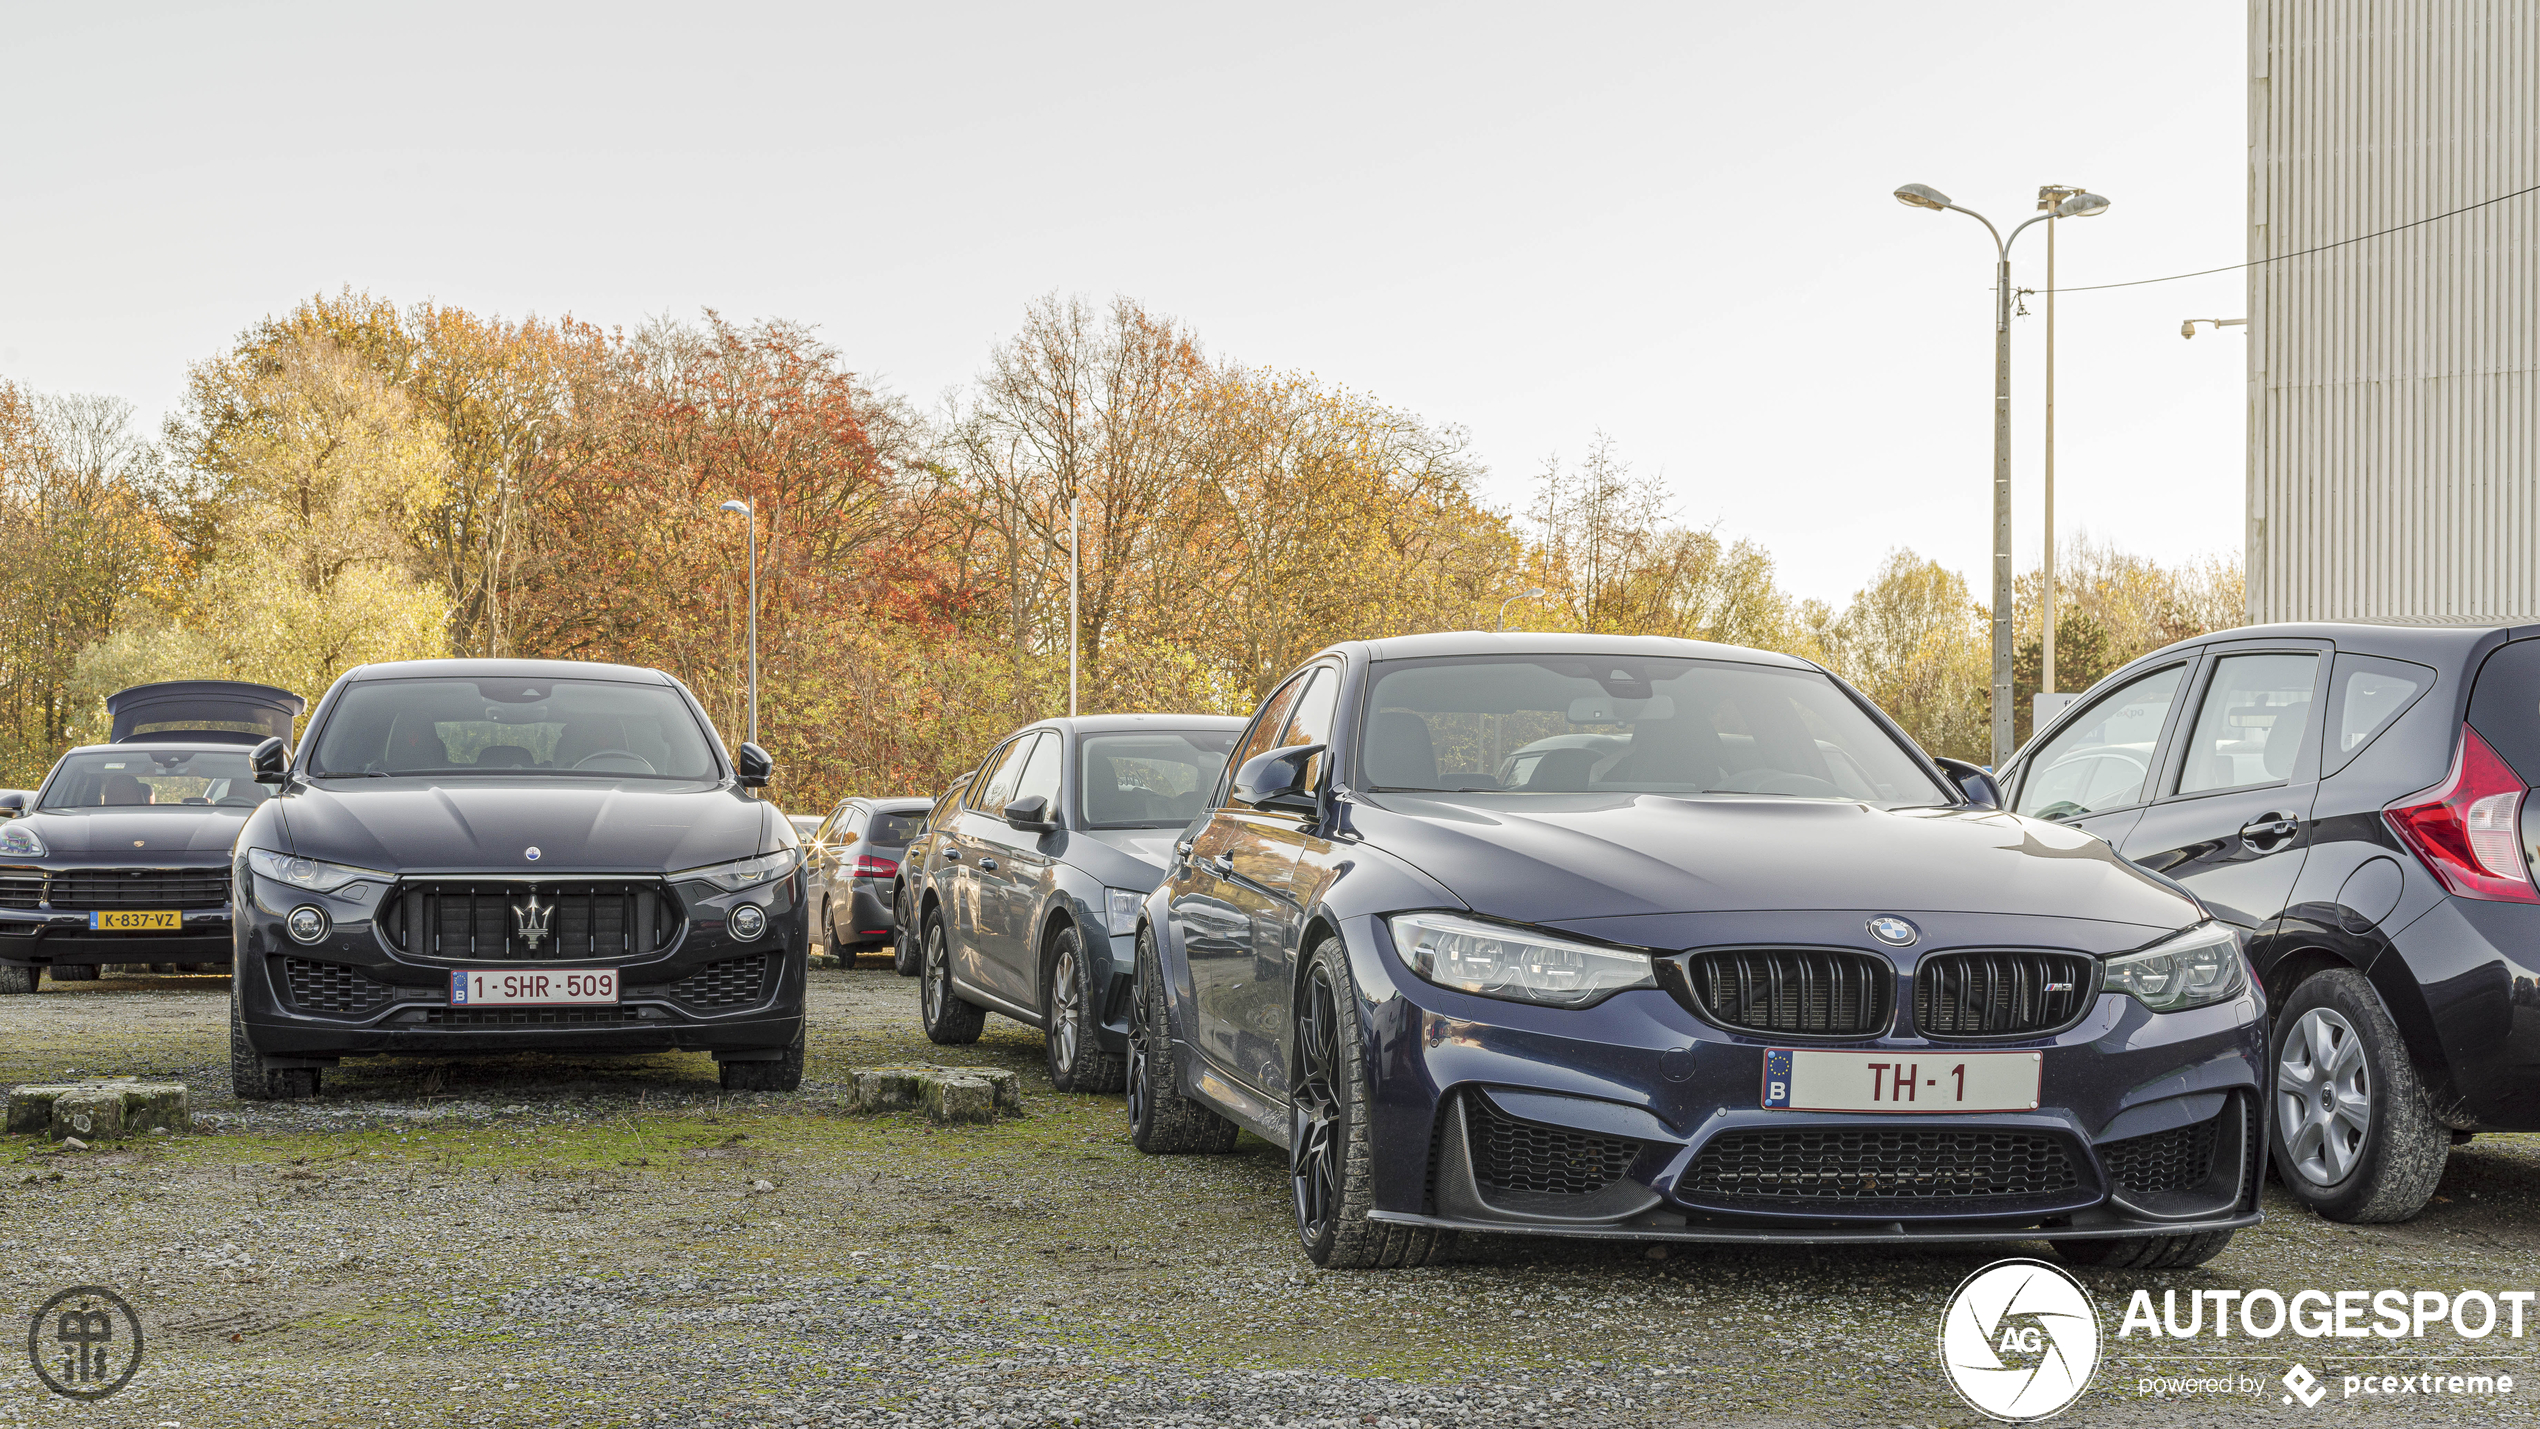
950,1022
905,954
1162,1121
1330,1157
1319,1129
1077,1060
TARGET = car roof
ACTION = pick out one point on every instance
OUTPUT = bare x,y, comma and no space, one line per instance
897,804
508,669
157,746
1114,723
1536,642
2426,638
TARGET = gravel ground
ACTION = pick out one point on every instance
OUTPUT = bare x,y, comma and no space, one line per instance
543,1241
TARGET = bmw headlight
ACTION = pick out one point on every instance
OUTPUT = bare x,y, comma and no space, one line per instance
1123,912
744,873
19,841
2197,968
308,873
1518,964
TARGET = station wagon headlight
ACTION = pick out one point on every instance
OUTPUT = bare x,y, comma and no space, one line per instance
309,873
19,841
2197,968
1123,910
1518,964
744,873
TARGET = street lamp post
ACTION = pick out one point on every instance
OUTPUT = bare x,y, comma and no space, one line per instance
2078,206
744,510
2048,196
1529,593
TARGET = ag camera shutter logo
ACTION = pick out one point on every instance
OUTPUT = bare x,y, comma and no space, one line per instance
2019,1341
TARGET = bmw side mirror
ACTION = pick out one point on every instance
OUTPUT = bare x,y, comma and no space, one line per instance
268,760
1275,779
1973,780
755,765
1030,813
12,804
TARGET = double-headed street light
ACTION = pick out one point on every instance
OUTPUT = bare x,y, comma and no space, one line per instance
742,509
2079,205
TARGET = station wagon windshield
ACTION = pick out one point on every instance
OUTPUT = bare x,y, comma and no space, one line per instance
1595,724
513,727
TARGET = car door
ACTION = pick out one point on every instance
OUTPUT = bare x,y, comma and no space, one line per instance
1217,908
1278,852
969,930
2097,771
1014,871
828,882
2233,820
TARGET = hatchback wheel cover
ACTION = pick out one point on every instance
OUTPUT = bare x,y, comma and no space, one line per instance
932,985
1138,1055
2323,1097
1063,1005
1314,1165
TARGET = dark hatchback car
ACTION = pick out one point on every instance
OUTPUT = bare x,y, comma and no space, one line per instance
854,860
1028,899
123,855
1748,967
481,857
906,955
2354,797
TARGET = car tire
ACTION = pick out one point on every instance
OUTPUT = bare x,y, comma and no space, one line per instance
2352,1137
73,972
949,1021
252,1080
904,949
785,1074
1331,1163
829,933
16,980
1077,1059
2150,1252
1162,1121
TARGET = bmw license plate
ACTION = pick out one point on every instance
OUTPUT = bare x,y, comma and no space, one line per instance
1800,1079
134,920
532,987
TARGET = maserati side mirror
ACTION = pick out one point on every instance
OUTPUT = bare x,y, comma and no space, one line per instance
1275,779
1030,813
1973,780
268,760
754,765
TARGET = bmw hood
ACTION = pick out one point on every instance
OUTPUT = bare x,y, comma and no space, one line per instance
479,824
155,834
1563,858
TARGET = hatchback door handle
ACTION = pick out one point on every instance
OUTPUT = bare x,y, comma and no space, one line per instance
987,865
953,854
2268,830
1219,864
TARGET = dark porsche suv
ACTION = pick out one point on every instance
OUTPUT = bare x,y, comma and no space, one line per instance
2353,797
473,857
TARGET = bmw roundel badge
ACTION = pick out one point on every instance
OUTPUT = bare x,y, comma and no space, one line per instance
532,855
1894,931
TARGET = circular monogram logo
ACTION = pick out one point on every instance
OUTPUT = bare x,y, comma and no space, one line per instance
2020,1340
85,1342
1894,931
531,854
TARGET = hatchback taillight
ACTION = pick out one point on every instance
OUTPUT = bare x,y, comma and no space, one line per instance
2469,830
867,866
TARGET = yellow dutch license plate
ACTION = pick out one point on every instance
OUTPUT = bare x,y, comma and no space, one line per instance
134,920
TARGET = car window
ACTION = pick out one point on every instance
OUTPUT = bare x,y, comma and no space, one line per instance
1263,730
944,808
2250,727
143,775
1686,727
1040,774
897,830
1148,779
513,727
2102,760
2365,693
996,780
1312,723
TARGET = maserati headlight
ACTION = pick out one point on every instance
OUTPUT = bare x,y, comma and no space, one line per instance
308,873
1519,964
2197,968
19,841
744,873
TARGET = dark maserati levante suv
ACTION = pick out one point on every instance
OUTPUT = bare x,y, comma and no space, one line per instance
123,855
1654,939
476,857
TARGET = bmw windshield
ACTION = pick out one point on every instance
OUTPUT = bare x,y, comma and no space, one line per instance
1630,725
513,727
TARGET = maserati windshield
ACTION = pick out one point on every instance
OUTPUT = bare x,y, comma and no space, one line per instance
1596,724
513,726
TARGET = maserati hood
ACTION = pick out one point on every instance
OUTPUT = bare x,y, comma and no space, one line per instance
481,824
1561,858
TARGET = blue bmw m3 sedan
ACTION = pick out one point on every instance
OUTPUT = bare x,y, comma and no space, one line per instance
1661,940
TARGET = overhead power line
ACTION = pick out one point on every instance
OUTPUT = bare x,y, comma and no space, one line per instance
2287,257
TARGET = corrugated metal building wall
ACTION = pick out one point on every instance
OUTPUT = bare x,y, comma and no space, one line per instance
2394,384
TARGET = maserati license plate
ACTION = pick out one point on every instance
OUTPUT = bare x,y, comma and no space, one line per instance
1798,1079
134,920
532,987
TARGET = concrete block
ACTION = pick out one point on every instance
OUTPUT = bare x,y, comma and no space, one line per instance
94,1110
944,1093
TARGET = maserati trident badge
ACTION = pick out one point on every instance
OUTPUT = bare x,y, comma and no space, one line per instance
530,920
1894,931
530,853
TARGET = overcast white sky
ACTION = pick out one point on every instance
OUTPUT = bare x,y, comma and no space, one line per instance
1669,222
